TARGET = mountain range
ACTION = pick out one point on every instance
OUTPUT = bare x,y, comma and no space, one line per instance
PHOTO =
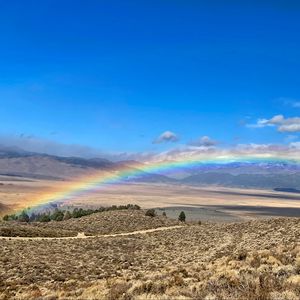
281,175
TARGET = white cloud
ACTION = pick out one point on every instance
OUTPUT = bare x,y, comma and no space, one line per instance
235,153
295,145
204,141
259,124
278,119
289,128
167,136
283,124
179,153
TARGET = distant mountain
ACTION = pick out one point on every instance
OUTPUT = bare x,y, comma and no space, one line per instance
287,190
35,165
9,152
270,181
17,162
237,168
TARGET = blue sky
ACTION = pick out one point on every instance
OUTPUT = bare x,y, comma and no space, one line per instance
116,75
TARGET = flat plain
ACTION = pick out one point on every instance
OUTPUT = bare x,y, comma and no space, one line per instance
210,203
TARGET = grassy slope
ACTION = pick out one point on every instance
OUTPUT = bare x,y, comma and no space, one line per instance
95,224
253,260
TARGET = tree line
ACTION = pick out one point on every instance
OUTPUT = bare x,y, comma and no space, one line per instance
61,215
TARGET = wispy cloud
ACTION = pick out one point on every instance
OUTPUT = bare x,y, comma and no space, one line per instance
295,145
236,152
291,138
46,146
290,101
179,153
167,136
267,122
282,124
296,104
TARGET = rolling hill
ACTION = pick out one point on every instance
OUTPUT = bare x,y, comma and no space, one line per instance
250,260
17,162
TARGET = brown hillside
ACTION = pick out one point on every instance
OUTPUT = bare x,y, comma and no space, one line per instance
253,260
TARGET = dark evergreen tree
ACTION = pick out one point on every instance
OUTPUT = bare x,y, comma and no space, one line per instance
67,215
57,215
32,217
6,218
44,218
181,217
150,213
23,217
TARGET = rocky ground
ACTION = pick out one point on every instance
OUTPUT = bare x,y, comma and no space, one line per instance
251,260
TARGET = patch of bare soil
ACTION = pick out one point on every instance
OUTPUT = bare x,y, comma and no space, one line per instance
251,260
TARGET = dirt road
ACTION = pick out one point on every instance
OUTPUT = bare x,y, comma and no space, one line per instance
83,236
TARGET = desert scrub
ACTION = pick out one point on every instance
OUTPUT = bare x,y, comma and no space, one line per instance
107,222
59,215
252,260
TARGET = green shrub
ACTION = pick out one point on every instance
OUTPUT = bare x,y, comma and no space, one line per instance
58,215
6,218
150,213
43,218
67,215
182,217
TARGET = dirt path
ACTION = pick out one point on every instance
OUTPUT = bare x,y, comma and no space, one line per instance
83,236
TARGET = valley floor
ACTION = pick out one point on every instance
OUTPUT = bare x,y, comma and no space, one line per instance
213,203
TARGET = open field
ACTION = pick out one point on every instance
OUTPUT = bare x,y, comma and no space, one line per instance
250,260
211,203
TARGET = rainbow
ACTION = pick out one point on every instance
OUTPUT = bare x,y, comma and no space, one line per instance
66,191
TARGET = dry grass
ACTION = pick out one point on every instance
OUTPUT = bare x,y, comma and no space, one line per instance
15,229
253,260
108,222
111,222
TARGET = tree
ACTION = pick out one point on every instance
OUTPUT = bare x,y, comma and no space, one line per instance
44,218
6,218
181,217
67,215
58,215
12,217
78,213
150,213
32,217
23,217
